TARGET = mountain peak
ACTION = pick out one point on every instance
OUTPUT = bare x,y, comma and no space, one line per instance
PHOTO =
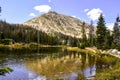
53,22
52,12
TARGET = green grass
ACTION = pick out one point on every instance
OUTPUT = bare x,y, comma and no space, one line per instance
3,71
81,76
109,73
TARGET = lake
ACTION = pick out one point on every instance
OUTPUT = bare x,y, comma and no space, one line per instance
52,63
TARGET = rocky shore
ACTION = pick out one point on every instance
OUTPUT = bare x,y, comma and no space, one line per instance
113,52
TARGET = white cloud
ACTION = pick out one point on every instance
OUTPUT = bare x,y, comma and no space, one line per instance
32,14
43,8
86,10
110,26
94,13
49,0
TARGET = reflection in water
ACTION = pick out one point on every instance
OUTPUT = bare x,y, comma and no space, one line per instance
52,66
51,63
60,64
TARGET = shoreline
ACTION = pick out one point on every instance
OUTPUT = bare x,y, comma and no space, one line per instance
35,46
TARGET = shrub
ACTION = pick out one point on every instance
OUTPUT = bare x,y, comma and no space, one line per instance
58,79
82,45
6,41
4,47
3,71
33,45
81,76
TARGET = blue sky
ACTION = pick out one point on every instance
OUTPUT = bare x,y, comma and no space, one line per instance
19,11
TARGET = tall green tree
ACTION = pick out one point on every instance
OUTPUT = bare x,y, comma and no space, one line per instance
83,32
108,39
91,34
84,38
0,9
116,34
101,32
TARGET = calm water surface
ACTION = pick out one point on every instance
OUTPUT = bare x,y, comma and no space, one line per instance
48,64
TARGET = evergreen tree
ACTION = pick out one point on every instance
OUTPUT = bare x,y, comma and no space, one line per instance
0,9
116,34
91,34
101,32
108,40
83,32
84,38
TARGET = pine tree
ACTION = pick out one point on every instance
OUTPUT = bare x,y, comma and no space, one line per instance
91,34
101,32
116,34
0,10
108,40
84,38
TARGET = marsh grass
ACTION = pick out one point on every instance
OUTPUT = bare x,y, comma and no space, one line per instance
81,76
4,47
111,73
5,70
90,50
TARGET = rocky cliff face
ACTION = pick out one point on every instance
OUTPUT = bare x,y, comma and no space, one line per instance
52,23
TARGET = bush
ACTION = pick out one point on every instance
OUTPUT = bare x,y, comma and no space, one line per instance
33,45
4,48
58,79
81,76
3,71
6,41
82,45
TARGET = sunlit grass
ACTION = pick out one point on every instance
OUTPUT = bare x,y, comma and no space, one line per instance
111,73
89,50
5,70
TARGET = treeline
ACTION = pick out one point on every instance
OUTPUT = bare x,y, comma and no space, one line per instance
25,34
18,33
103,38
106,39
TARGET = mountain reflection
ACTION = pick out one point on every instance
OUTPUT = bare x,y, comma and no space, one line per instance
57,64
51,63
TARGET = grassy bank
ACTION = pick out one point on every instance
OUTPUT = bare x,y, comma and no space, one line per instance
68,64
35,46
18,46
90,50
5,70
111,73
